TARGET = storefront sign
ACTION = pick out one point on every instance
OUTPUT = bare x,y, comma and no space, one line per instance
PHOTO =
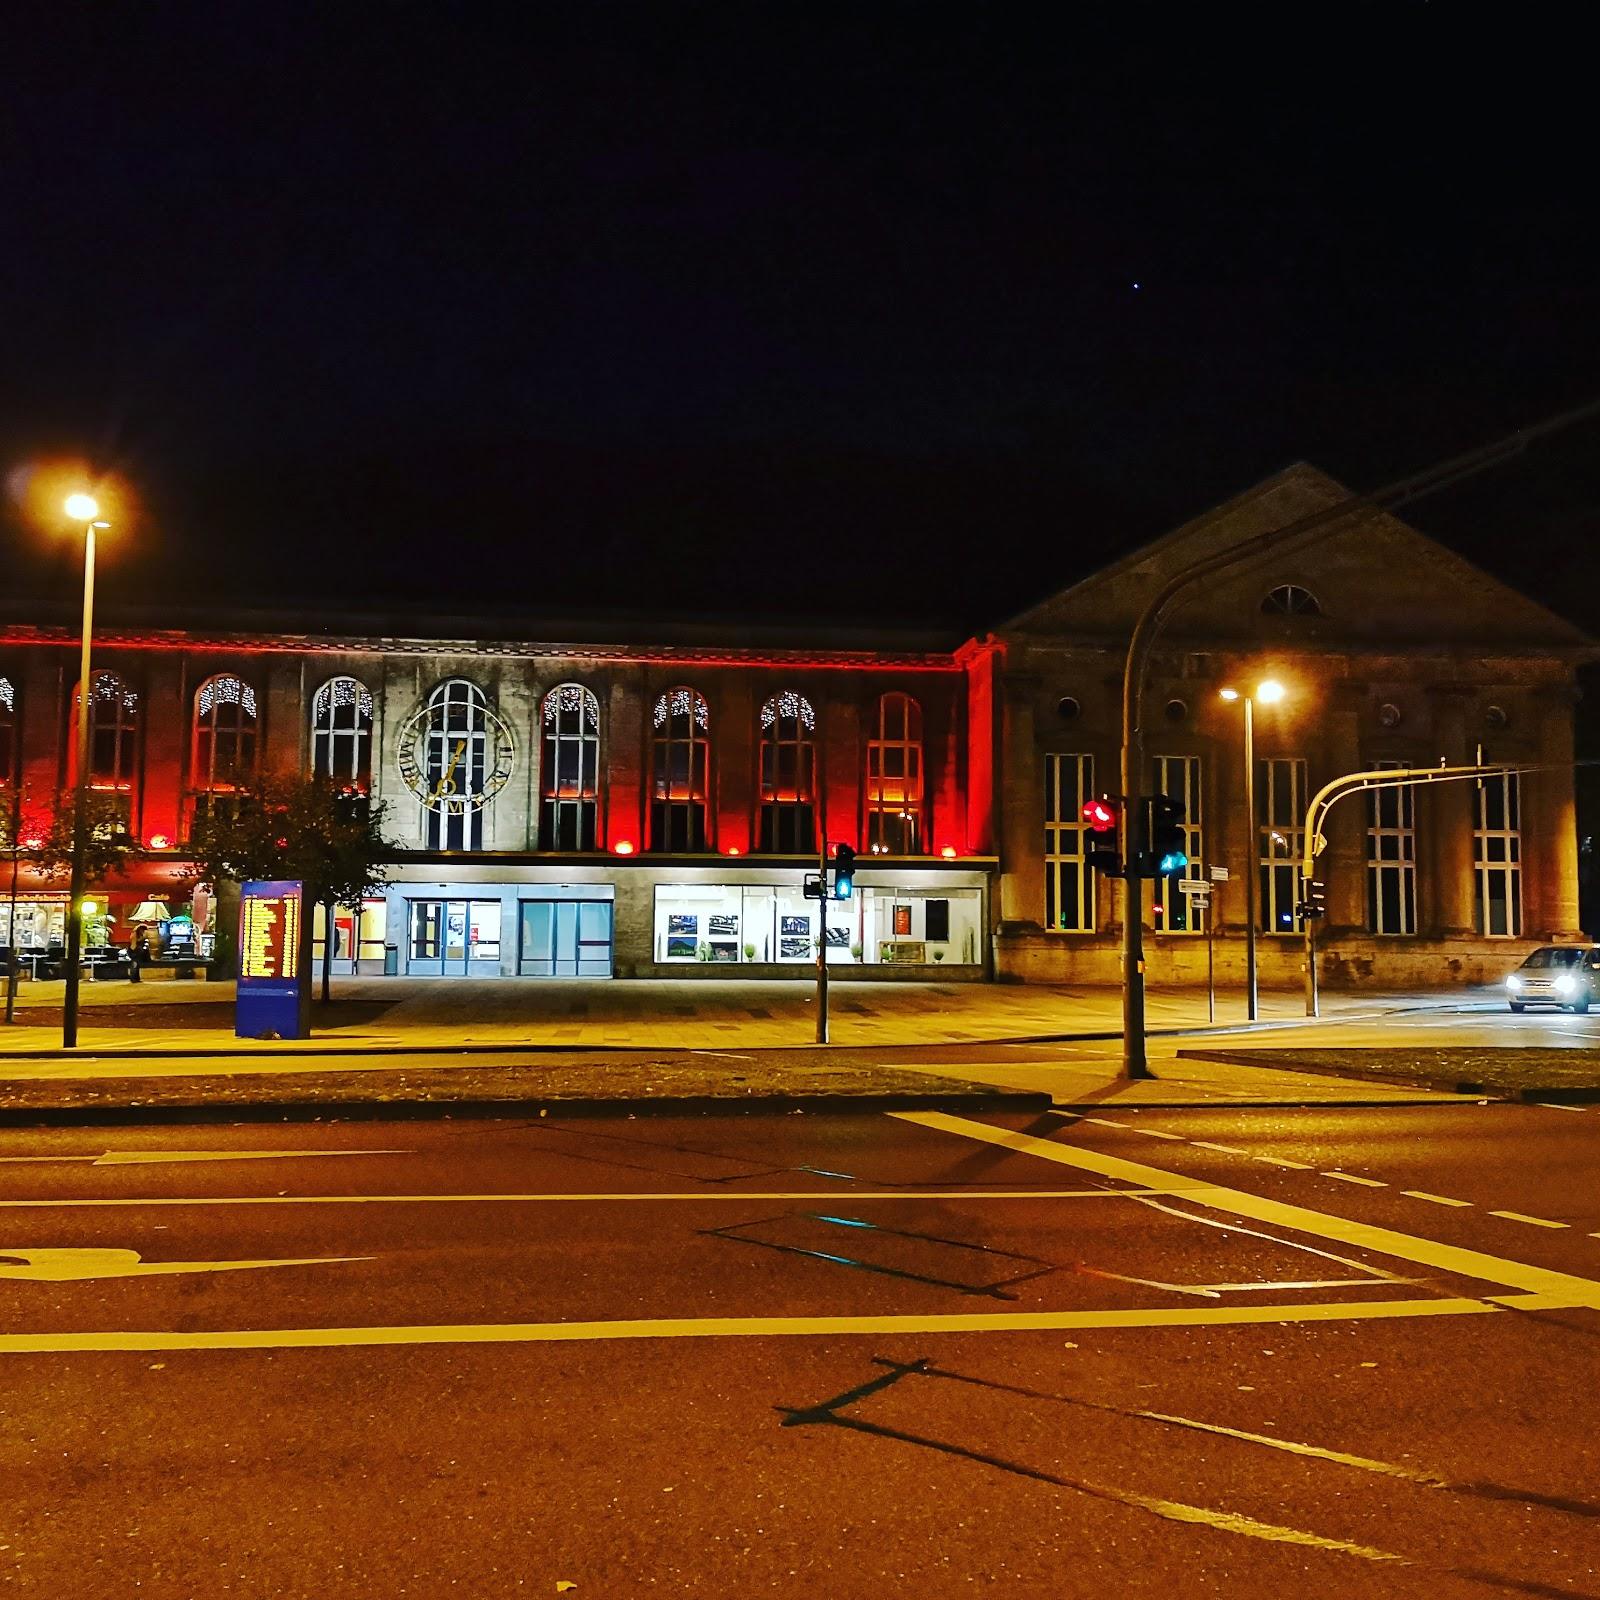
274,991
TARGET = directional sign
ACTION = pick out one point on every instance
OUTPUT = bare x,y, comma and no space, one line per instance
1219,874
1195,888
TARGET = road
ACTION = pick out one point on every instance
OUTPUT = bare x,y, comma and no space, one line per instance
1242,1351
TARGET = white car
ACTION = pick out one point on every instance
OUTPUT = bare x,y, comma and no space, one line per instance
1565,975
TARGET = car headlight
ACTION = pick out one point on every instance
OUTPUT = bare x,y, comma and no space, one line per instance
1566,983
1514,982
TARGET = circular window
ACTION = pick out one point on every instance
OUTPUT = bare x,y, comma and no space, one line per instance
1291,600
1177,710
1496,717
1389,714
1067,708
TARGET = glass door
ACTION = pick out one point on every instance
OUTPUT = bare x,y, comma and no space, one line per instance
454,939
565,939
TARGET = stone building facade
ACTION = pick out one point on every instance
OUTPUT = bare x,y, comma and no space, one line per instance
647,802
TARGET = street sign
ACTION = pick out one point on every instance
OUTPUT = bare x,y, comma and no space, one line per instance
1195,888
1219,874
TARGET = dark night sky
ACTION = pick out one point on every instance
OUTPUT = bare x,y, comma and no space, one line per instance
701,309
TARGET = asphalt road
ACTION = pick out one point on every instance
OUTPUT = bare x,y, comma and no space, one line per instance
1336,1352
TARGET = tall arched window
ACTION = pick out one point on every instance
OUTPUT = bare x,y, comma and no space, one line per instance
570,777
341,732
680,768
456,760
8,730
224,742
894,778
113,738
788,775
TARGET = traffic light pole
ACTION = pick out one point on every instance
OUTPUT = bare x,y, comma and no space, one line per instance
1148,626
822,946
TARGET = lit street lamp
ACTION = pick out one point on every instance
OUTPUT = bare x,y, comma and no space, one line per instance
85,509
1269,693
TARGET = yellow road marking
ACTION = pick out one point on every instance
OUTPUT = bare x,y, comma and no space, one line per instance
1350,1177
1533,1222
733,1327
711,1197
1437,1199
85,1264
1559,1286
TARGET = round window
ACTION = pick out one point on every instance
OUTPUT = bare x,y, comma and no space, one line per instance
1496,717
1177,710
1389,714
1067,708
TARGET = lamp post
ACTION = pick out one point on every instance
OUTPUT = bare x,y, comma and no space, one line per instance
85,509
1269,693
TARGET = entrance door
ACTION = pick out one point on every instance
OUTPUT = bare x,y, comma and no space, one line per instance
454,939
565,939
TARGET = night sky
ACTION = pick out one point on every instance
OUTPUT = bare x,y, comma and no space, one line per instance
903,311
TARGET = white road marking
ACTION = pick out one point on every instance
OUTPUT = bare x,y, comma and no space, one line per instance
1436,1199
1350,1177
1152,1133
1553,1105
739,1327
1533,1222
1226,1149
1279,1161
83,1265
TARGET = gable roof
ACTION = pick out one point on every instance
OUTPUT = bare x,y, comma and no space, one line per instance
1376,579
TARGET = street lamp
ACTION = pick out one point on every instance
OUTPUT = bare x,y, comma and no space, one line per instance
1269,692
82,508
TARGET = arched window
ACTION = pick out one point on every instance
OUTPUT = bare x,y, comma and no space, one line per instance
1290,600
456,761
788,775
224,742
8,730
341,732
894,778
680,769
570,779
113,735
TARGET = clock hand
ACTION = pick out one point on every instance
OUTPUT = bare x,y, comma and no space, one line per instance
445,786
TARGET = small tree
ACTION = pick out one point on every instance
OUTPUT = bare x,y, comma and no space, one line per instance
325,836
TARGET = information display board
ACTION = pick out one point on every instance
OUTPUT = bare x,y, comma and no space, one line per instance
274,990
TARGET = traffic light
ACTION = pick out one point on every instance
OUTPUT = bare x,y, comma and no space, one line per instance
1168,855
1104,853
844,872
1315,903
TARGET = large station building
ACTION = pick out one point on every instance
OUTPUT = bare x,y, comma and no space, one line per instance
643,799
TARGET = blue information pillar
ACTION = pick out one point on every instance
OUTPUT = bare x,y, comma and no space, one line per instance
274,995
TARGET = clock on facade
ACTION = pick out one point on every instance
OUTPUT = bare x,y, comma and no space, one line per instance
455,754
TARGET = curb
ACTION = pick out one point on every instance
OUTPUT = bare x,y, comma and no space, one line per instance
519,1108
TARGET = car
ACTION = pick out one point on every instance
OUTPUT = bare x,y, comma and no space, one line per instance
1565,975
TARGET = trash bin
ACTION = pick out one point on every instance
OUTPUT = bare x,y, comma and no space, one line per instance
391,960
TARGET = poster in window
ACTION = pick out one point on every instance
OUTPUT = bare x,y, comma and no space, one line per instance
838,938
680,923
723,949
902,922
936,920
681,949
723,925
793,926
790,948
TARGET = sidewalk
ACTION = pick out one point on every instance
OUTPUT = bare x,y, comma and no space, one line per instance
387,1014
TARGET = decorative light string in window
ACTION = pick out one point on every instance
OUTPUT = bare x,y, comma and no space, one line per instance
8,695
108,686
341,692
791,707
227,691
574,697
683,703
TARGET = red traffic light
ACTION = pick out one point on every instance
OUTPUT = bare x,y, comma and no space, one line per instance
1099,814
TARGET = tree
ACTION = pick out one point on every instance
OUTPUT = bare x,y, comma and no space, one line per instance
325,836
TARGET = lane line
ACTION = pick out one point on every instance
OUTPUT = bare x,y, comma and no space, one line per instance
1552,1105
1279,1161
1477,1264
138,1340
1154,1133
1350,1177
1533,1222
1226,1149
1435,1199
711,1197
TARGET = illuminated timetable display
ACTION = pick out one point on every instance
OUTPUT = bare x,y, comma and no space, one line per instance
273,993
269,935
